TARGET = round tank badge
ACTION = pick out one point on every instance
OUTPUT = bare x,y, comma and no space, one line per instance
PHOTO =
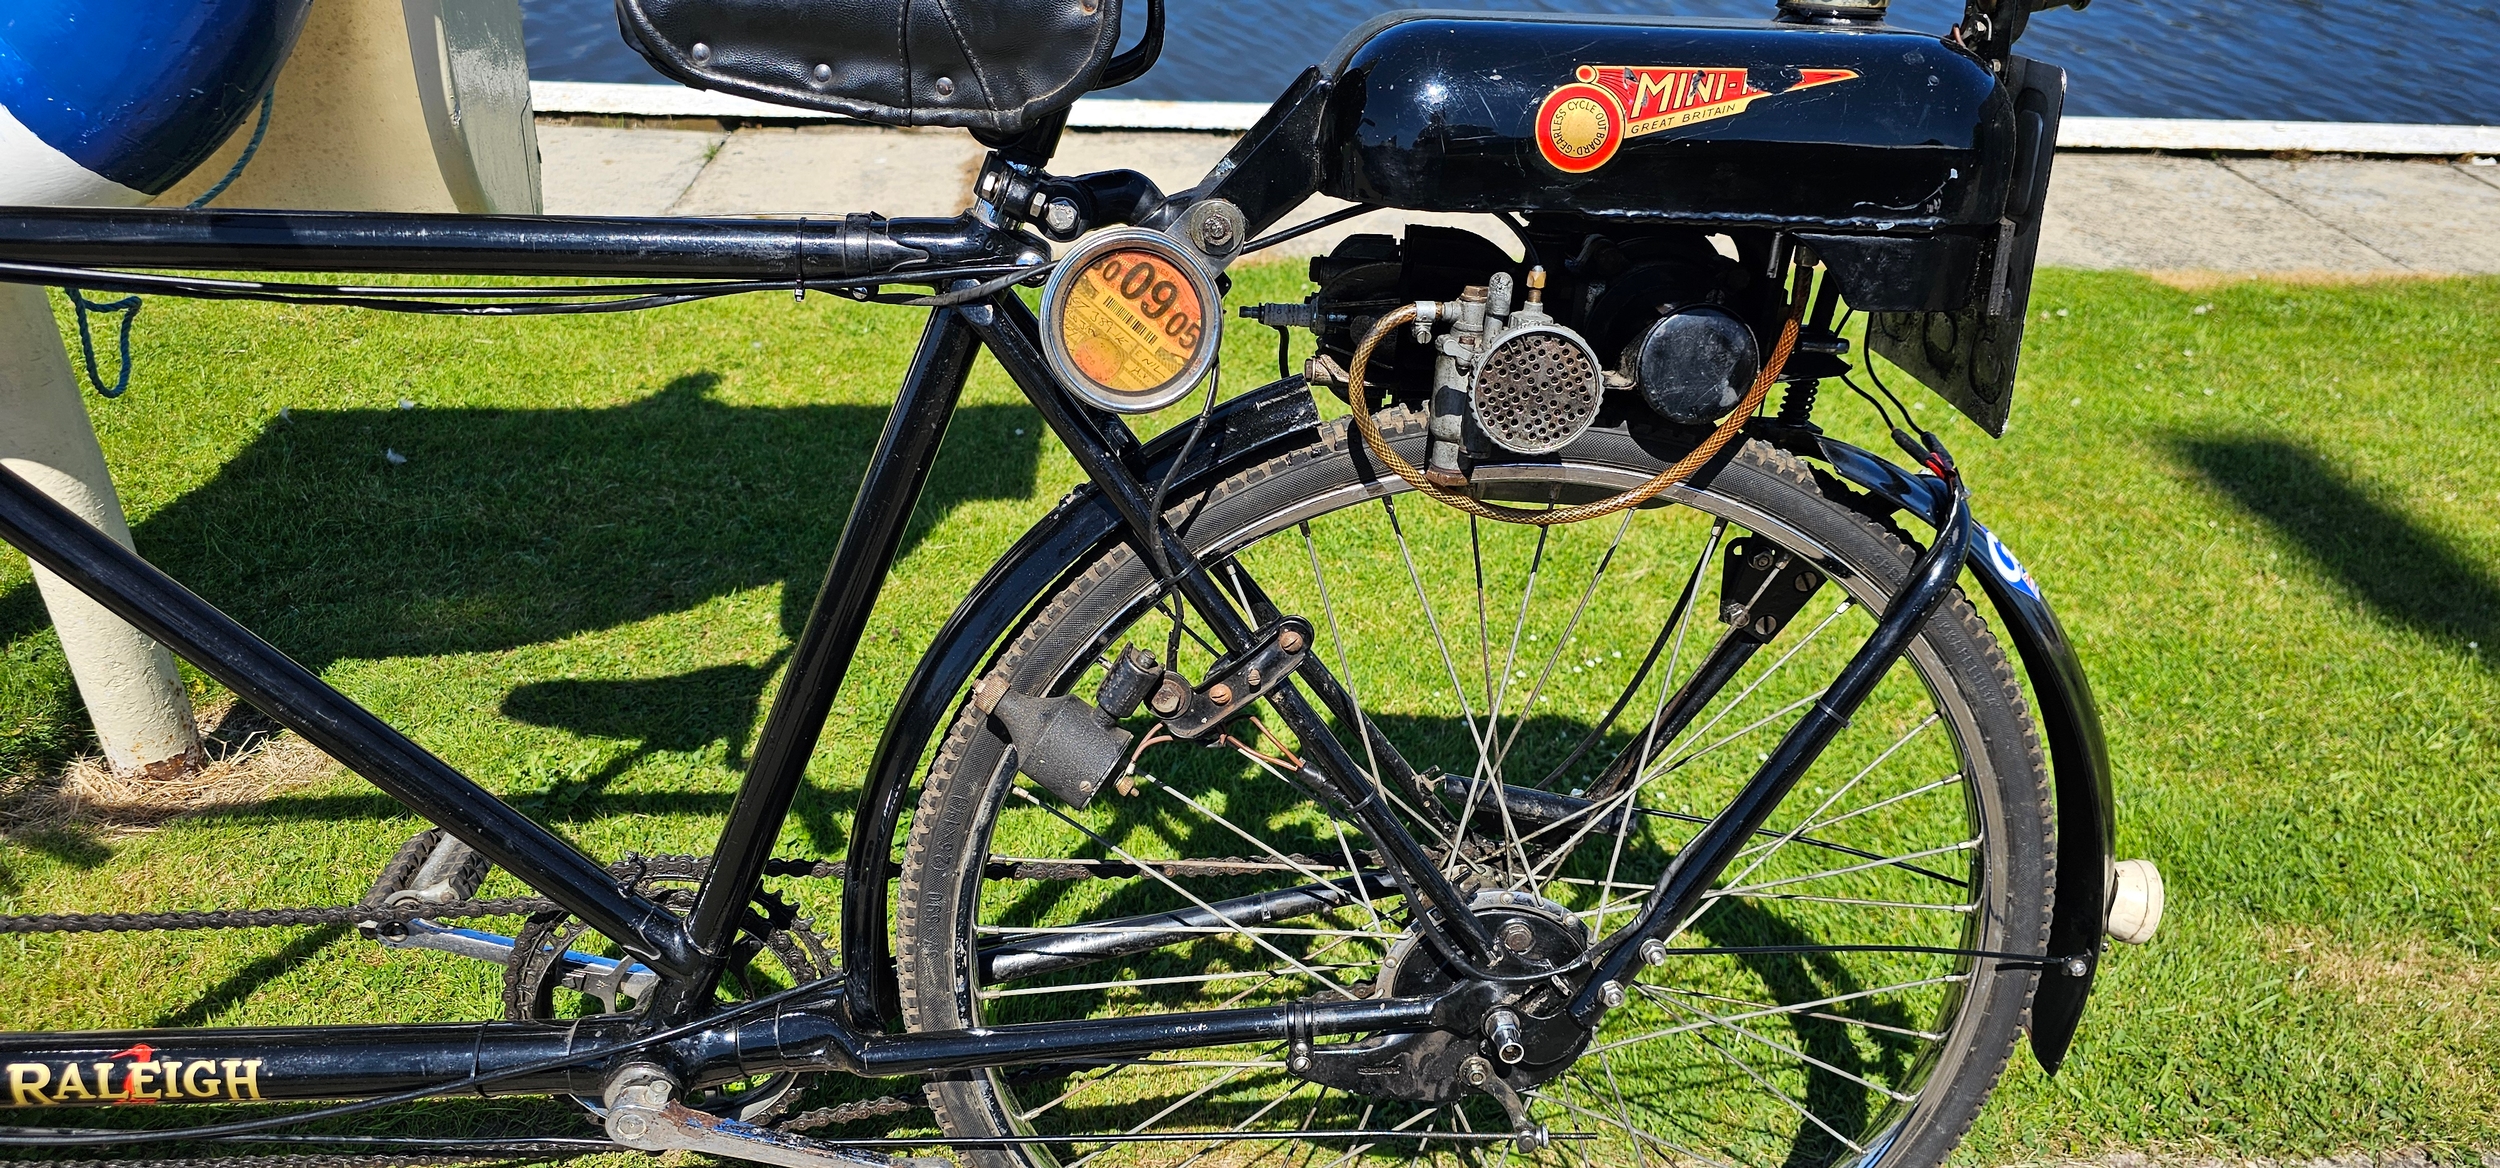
1582,123
1579,127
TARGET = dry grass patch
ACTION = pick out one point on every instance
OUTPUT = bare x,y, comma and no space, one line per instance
250,761
2202,280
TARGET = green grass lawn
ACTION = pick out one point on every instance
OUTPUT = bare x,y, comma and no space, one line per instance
2264,512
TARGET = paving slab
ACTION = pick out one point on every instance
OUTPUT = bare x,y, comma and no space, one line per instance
2144,212
2427,216
836,170
2160,213
600,170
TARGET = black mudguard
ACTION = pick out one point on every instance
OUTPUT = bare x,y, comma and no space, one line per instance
2078,754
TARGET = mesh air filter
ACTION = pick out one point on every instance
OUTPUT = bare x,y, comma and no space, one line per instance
1537,389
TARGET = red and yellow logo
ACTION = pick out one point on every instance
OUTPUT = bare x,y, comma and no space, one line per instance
1583,123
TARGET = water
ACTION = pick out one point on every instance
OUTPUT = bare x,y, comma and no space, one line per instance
2301,60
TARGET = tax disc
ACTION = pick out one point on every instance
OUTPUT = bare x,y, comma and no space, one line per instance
1131,321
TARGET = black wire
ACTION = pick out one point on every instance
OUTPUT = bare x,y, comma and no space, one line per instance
418,300
983,290
1154,512
1870,400
1307,226
1518,225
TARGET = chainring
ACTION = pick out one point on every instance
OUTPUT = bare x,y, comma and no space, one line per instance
776,950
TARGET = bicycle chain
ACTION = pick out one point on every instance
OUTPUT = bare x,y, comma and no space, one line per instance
519,906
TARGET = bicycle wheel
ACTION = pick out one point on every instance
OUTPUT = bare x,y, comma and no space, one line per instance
1534,658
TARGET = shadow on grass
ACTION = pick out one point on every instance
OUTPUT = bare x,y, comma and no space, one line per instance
501,528
251,977
514,527
2410,575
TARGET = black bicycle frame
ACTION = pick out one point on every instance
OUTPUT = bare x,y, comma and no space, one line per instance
823,1029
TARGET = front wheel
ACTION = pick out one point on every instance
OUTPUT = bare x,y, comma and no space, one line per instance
1584,661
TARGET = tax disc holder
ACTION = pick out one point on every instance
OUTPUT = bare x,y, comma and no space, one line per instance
1131,320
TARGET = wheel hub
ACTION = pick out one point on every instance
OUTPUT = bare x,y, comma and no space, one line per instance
1524,1040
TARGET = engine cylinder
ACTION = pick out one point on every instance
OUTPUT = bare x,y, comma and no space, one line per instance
1694,364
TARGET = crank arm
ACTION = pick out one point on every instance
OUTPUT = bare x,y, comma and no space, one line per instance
583,973
675,1127
1689,876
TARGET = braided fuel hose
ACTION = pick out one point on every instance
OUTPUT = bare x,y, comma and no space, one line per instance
1683,469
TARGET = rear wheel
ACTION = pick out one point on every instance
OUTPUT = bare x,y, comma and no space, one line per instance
1491,655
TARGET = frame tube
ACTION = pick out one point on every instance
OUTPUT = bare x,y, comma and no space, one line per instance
494,245
897,471
276,685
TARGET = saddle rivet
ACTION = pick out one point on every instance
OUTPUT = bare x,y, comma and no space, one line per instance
702,53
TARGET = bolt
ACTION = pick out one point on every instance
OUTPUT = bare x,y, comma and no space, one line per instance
1251,675
1502,1027
1807,580
1060,216
1517,936
1216,231
2077,967
627,1126
1611,994
1169,696
1654,952
1220,693
1478,1071
1290,640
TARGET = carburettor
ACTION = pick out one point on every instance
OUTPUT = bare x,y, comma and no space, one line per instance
1528,384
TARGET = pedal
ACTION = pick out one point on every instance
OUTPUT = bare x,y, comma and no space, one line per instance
642,1114
433,867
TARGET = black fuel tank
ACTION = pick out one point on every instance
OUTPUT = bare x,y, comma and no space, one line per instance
1730,123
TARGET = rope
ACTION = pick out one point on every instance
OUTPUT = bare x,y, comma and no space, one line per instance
268,101
128,306
1683,469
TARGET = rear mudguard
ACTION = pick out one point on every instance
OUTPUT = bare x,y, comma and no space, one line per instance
1278,417
2078,754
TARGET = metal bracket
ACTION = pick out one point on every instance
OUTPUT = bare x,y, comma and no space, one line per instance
1764,588
1233,683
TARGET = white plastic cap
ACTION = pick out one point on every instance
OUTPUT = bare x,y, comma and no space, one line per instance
2135,909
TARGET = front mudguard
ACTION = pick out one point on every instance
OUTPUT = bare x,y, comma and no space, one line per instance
2078,754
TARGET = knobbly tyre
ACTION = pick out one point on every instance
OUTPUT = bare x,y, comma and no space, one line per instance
1505,732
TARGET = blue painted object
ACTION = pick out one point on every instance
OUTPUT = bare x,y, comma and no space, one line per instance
140,91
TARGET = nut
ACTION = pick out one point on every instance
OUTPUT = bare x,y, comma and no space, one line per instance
1477,1071
1169,697
1654,952
1215,231
1517,936
1610,993
1060,216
